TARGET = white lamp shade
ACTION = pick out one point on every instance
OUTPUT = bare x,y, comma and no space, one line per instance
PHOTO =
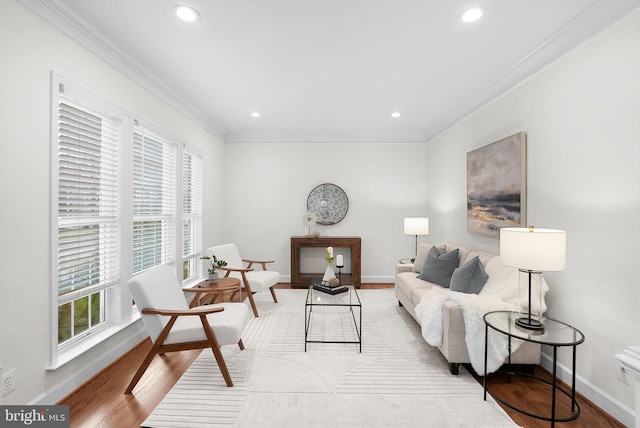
416,226
533,249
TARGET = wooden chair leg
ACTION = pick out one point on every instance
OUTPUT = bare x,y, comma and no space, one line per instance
253,304
273,294
143,367
247,289
155,349
223,366
217,353
241,345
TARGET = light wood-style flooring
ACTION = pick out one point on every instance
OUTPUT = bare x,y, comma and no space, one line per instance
100,402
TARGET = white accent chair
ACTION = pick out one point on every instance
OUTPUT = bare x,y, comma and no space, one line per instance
253,281
173,326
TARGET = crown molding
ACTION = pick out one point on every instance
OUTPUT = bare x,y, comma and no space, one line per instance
594,19
73,26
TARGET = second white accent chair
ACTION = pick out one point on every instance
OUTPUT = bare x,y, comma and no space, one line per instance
253,281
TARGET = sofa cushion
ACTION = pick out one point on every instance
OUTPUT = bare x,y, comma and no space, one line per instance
421,255
462,251
438,268
484,257
413,287
470,277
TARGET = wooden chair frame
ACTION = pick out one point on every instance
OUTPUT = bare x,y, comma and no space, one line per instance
159,346
247,287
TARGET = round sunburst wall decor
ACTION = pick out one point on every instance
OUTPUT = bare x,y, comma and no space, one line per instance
329,203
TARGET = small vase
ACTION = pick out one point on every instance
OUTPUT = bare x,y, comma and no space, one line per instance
212,277
328,274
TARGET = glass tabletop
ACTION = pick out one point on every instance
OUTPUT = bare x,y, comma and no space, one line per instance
346,298
555,332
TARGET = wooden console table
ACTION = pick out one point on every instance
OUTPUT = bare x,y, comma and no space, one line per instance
303,280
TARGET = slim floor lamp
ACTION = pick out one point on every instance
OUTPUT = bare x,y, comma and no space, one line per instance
533,251
416,226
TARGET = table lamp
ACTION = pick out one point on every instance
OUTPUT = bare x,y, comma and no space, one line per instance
533,251
416,226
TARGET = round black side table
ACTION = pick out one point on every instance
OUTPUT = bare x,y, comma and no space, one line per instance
556,334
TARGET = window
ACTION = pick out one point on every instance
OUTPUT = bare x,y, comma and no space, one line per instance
154,199
121,203
191,212
87,235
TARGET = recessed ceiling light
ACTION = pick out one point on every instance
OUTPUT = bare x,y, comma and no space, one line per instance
186,13
255,114
472,15
395,114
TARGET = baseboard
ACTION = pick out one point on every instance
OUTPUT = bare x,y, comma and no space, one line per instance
67,386
379,279
597,396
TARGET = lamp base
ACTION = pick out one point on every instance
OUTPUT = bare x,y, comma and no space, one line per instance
530,323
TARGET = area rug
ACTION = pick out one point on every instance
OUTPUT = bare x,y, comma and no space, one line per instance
397,381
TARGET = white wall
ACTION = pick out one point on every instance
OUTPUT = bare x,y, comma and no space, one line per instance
580,115
30,50
582,119
267,187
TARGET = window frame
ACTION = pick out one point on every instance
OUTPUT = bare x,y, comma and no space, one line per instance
77,98
118,308
170,147
195,214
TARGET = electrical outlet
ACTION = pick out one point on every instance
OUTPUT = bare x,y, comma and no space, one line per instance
8,382
623,376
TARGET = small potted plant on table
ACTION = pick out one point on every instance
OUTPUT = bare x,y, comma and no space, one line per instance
214,263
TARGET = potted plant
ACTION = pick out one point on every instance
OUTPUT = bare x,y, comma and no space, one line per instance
214,263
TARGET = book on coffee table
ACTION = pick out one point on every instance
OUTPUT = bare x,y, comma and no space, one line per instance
330,289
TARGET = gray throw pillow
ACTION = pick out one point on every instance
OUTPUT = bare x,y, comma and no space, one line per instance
423,249
470,277
439,268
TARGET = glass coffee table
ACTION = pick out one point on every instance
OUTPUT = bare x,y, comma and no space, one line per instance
333,318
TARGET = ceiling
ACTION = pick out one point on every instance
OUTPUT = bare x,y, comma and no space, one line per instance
330,70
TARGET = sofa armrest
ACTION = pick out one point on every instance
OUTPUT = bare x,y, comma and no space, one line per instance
453,347
452,319
404,267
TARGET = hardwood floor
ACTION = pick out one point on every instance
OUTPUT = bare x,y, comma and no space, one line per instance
535,397
100,402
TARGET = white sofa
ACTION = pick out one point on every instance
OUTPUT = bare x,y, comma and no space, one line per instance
410,289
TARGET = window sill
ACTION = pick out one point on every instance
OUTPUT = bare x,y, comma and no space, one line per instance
91,342
95,339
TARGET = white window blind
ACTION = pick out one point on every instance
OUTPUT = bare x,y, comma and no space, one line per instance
117,209
154,204
191,203
88,240
85,204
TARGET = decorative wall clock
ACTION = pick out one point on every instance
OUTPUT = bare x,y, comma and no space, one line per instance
328,202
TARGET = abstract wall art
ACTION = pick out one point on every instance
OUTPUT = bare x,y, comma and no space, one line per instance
496,186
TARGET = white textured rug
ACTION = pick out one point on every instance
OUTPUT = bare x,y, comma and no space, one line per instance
397,381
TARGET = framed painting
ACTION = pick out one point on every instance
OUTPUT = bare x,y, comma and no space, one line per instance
496,186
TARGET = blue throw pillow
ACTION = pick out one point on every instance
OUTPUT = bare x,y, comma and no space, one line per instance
470,277
438,268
